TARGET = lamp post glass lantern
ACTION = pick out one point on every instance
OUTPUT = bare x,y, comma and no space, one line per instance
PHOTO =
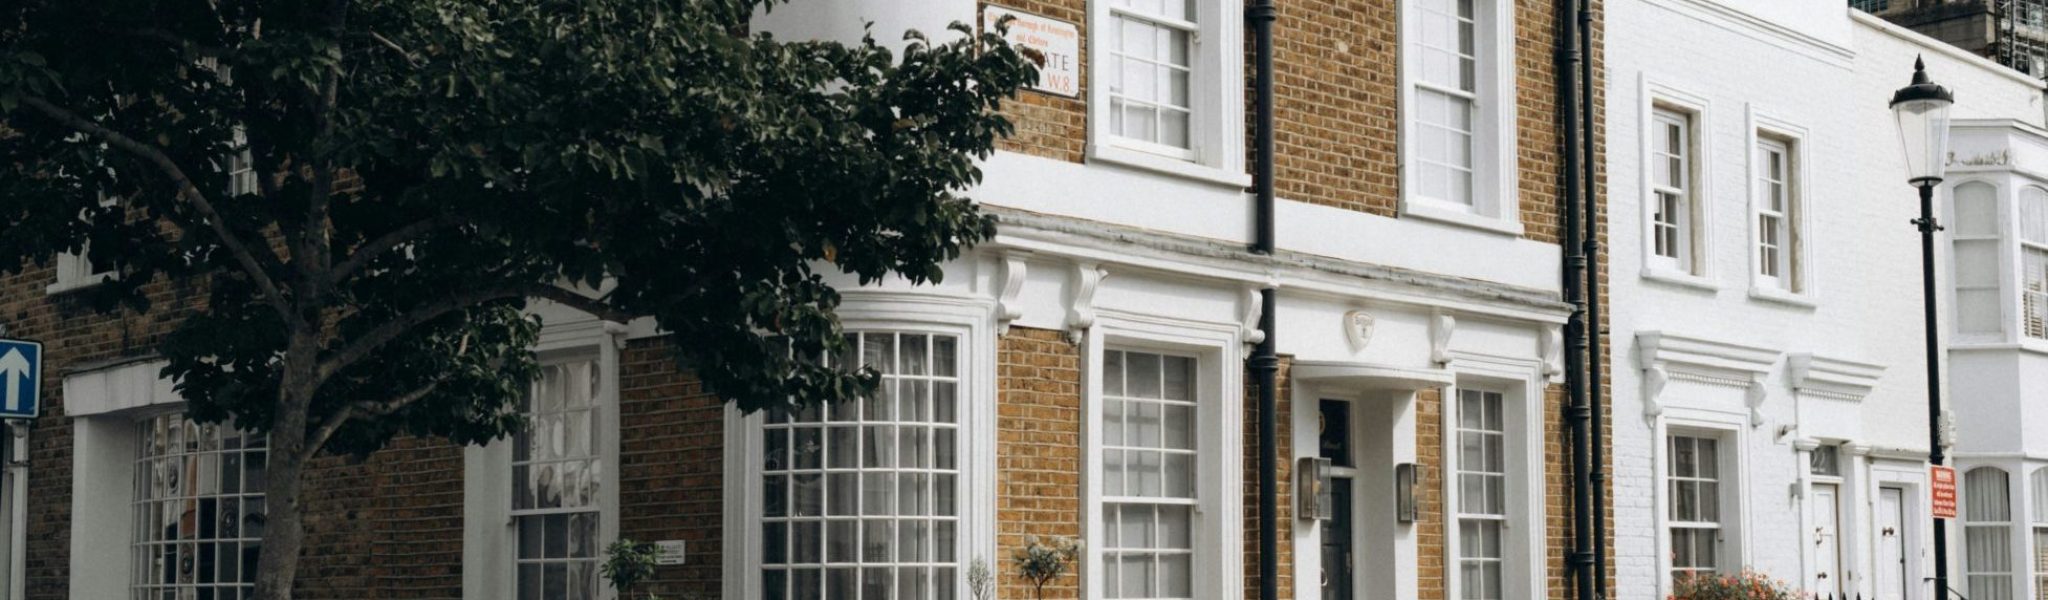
1921,111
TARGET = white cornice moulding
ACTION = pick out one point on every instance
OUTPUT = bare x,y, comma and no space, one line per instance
1832,376
1663,356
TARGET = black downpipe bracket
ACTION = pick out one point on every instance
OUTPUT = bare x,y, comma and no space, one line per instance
1265,360
1577,413
1595,377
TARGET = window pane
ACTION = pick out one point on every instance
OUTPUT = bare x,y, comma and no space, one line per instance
196,521
880,501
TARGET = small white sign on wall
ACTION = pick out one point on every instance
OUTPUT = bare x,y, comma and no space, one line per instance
1056,45
671,552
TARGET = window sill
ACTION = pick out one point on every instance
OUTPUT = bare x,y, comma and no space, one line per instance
1783,297
65,287
1680,278
1139,159
1424,210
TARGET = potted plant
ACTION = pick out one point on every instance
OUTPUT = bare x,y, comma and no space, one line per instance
627,563
1043,560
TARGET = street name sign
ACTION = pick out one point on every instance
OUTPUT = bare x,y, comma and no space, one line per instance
21,376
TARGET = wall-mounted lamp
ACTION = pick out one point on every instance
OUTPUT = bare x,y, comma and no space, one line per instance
1406,478
1312,489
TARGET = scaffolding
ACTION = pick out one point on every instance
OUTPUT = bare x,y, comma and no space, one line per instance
2021,28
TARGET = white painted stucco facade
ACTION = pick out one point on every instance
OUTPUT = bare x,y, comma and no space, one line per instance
1830,361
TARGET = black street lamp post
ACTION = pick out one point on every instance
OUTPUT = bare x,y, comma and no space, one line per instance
1921,110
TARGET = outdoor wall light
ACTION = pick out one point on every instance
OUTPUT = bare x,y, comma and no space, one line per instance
1312,489
1406,477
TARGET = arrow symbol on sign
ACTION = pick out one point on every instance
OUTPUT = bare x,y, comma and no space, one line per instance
13,367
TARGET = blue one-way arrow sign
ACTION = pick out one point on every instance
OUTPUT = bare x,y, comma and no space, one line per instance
21,375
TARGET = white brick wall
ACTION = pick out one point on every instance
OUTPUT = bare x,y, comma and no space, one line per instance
1802,69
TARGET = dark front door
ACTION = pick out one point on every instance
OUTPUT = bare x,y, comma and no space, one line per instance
1338,533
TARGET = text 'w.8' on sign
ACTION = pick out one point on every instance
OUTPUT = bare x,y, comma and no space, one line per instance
1942,485
1054,44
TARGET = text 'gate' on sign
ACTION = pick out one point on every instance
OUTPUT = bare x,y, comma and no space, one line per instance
1056,43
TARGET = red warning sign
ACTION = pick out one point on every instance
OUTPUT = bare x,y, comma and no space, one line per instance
1944,491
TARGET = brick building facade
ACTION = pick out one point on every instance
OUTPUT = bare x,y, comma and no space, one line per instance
1081,375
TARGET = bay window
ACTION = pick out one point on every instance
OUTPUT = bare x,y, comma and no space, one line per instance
2039,484
1974,235
1987,534
2033,237
863,498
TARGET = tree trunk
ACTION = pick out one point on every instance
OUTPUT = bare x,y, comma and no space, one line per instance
284,532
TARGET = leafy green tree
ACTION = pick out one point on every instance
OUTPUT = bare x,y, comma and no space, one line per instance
422,168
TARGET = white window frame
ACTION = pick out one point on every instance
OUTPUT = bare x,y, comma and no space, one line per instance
245,580
1796,287
2026,331
1696,266
1729,429
2016,533
488,551
1521,383
1215,94
1496,205
1218,517
2037,531
970,321
1996,238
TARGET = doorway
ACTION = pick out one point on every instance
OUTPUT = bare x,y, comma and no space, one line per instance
1891,578
1339,533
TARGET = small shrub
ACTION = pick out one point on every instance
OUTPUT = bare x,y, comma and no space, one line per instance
627,563
1749,585
1043,560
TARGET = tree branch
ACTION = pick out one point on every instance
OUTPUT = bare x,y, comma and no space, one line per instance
362,346
248,261
370,250
334,422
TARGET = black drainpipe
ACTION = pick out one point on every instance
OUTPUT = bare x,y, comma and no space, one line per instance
1265,361
1595,380
1577,413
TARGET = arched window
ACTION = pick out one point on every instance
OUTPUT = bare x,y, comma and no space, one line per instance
1987,533
1974,231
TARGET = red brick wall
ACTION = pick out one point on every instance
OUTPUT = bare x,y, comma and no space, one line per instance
671,472
1038,450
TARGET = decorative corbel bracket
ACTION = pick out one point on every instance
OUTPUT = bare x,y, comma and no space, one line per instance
1015,266
1654,379
1553,351
1441,327
1753,395
1081,311
1254,309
